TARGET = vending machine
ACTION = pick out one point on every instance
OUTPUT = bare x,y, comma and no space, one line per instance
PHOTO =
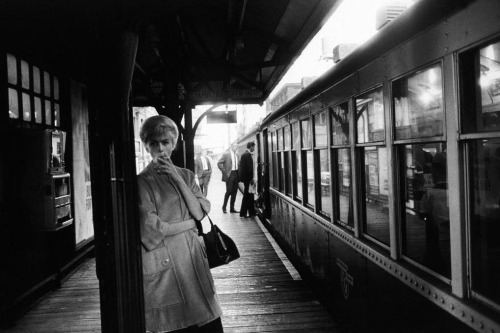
44,194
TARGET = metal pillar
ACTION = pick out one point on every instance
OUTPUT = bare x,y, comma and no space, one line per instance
114,192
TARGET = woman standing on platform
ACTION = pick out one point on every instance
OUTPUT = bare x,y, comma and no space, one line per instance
179,292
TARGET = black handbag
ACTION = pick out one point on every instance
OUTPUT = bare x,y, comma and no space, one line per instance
221,249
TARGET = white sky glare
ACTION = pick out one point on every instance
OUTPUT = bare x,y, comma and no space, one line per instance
352,22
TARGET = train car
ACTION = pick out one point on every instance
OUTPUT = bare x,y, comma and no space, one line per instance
381,180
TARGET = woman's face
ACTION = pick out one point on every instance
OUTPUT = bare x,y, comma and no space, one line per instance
160,146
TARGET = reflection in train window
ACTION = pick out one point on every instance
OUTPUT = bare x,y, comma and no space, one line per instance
484,165
295,136
309,198
13,104
325,203
418,104
481,89
426,224
376,193
305,127
343,189
340,124
286,134
370,117
288,173
270,158
297,167
279,134
320,137
281,172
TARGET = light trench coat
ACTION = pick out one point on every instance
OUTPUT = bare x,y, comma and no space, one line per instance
178,286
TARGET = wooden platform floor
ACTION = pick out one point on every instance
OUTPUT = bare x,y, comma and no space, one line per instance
258,292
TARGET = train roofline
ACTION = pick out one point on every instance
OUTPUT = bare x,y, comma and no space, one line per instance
422,15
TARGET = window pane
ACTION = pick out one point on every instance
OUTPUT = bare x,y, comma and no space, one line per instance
310,198
12,69
288,173
340,124
481,89
326,196
48,113
57,115
320,129
485,217
38,110
343,187
286,133
56,88
281,171
306,134
13,104
25,75
279,134
270,159
36,80
376,192
295,136
426,224
418,104
370,117
298,179
273,139
46,83
26,107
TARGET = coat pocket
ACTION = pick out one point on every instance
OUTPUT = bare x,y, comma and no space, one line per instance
161,287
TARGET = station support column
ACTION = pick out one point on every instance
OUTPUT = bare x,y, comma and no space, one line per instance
114,192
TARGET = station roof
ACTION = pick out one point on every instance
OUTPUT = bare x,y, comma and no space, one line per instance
200,51
226,50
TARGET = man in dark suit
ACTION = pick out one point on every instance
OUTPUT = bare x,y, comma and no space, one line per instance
228,165
203,170
246,176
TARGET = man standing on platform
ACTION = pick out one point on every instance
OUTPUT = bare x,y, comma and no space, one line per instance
228,164
203,170
246,176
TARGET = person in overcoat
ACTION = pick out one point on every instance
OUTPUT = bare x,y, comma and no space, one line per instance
228,165
179,292
245,172
203,170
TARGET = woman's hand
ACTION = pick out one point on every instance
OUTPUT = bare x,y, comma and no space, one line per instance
165,166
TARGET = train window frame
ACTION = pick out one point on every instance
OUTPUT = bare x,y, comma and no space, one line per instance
296,150
35,88
474,141
318,149
287,158
274,161
334,150
393,108
400,147
359,168
305,151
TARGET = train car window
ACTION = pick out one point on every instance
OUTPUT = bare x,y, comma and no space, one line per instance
46,84
376,193
25,75
484,166
370,117
269,141
309,197
295,136
418,104
340,124
320,134
273,141
11,69
288,173
38,110
26,107
325,202
279,135
305,127
13,104
343,188
281,172
57,115
286,137
297,167
48,113
425,215
36,80
481,89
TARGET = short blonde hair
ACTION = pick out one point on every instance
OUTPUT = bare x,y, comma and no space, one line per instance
156,126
